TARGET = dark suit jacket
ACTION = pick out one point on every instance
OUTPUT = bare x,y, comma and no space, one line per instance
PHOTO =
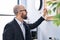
12,30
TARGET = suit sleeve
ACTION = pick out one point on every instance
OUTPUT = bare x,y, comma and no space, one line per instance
8,33
34,25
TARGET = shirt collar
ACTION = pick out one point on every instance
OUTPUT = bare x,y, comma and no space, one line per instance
19,22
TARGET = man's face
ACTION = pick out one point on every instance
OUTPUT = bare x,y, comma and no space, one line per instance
23,13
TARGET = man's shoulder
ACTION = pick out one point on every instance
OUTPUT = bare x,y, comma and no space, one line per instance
9,27
10,24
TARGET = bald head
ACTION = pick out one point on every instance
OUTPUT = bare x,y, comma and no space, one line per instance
20,11
18,8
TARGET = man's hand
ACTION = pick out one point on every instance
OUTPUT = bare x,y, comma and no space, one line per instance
45,15
45,12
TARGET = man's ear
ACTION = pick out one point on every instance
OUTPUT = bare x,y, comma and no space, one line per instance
16,11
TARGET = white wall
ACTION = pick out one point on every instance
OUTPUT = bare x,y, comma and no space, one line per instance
6,6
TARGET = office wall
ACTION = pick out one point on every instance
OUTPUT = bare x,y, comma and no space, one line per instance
46,29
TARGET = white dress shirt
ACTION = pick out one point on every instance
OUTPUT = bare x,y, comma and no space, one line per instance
21,26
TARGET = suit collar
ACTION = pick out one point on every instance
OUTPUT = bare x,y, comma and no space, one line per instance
19,22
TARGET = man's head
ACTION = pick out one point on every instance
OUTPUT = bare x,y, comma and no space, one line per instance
20,11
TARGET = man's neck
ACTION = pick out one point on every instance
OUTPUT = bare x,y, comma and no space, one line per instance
20,19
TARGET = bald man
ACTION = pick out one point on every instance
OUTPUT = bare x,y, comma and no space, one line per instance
18,29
